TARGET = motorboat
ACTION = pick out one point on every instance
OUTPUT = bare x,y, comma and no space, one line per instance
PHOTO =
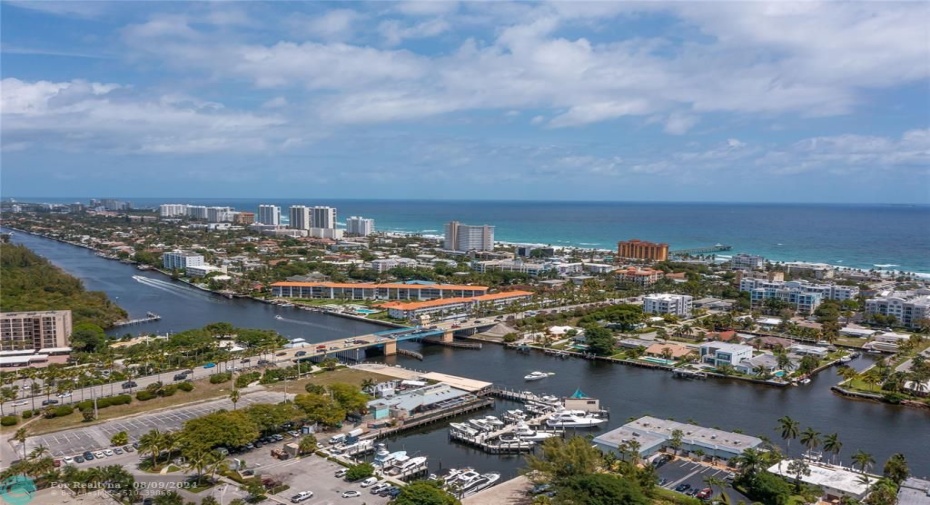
390,458
483,482
463,428
550,400
493,421
465,479
573,419
480,424
524,432
535,376
514,415
453,475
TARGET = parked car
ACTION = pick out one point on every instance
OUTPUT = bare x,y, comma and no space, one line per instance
341,473
99,455
108,452
301,496
369,481
377,488
351,494
128,448
704,494
89,456
209,365
67,460
79,459
64,395
683,488
180,376
129,384
117,450
49,402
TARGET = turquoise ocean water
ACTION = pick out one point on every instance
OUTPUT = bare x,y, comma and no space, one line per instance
893,237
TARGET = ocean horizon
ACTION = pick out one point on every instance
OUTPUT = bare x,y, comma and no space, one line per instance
862,236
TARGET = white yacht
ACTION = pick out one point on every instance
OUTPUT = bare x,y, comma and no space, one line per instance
535,376
515,415
524,432
483,482
573,419
390,458
493,421
480,424
464,429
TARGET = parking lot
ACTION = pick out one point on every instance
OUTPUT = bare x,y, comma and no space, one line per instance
92,438
683,471
310,474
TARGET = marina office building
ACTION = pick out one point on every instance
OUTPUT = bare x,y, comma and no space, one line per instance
373,291
653,434
35,330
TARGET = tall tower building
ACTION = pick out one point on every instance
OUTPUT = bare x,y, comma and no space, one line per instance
642,250
463,237
323,217
360,226
299,217
269,214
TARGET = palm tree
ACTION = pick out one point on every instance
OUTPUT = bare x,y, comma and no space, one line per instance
234,397
152,444
715,484
863,460
847,373
833,444
749,462
20,436
789,429
810,439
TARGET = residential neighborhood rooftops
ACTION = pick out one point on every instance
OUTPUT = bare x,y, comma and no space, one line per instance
914,491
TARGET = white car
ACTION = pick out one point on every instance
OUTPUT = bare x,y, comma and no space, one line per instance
99,455
64,395
67,460
351,494
20,403
369,481
108,452
301,496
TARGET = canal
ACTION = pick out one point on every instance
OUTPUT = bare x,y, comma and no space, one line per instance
628,392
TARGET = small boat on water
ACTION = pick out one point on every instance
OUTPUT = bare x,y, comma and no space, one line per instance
535,376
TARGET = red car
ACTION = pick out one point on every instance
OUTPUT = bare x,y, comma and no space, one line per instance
705,493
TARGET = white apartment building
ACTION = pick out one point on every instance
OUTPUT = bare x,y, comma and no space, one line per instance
268,214
172,210
667,303
463,237
299,217
383,265
330,233
360,226
220,214
805,296
744,261
724,353
197,211
181,260
322,217
907,307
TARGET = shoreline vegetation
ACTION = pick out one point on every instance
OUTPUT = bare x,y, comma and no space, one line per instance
32,283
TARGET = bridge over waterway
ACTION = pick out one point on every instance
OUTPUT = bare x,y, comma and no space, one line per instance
354,348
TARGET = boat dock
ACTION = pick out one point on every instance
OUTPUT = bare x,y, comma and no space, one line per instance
484,442
409,424
149,317
411,354
701,250
684,373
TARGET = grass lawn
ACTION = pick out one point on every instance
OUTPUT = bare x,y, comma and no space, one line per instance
344,375
203,390
663,496
852,341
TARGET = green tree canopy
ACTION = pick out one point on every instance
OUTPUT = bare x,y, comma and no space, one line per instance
425,492
600,340
320,408
223,428
600,489
349,397
269,417
562,459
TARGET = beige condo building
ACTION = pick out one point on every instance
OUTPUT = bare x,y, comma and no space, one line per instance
35,330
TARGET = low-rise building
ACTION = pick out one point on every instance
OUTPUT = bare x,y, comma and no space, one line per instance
914,491
675,351
887,341
642,277
909,308
454,307
374,291
835,481
744,261
722,353
653,434
181,260
667,303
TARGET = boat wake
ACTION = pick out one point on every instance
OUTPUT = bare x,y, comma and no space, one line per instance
297,321
168,287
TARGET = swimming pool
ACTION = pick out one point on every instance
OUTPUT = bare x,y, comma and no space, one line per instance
658,360
367,311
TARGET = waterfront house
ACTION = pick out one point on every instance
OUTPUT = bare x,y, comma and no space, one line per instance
887,341
766,362
678,351
722,353
835,481
808,350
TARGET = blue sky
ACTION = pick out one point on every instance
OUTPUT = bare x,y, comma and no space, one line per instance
682,101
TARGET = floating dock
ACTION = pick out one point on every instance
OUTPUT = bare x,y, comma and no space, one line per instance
149,317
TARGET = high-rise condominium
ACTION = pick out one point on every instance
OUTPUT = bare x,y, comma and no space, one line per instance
269,214
463,237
